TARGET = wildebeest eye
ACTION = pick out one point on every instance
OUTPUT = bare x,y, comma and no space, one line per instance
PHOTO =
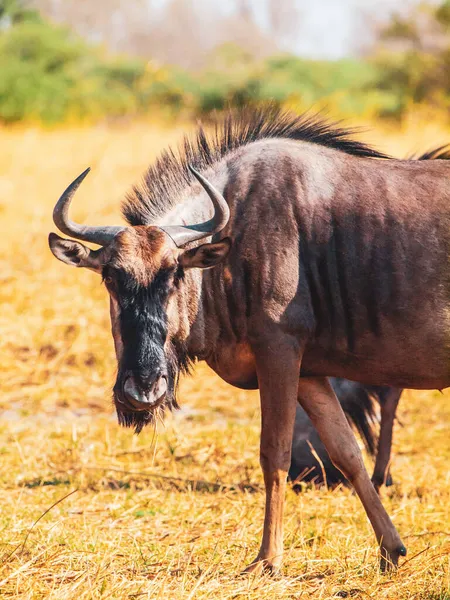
108,280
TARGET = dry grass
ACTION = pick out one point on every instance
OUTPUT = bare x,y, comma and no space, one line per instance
179,515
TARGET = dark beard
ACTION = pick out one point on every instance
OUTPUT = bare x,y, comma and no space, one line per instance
178,362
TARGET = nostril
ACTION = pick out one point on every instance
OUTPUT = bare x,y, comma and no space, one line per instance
136,398
160,387
131,389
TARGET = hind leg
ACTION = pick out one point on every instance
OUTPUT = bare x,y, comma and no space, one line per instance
318,399
381,470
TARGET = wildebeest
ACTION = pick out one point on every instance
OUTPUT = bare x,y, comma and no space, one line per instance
310,461
281,251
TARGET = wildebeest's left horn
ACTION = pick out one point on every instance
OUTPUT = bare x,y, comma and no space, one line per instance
97,235
183,234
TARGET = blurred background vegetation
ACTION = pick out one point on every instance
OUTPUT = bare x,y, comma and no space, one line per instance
78,60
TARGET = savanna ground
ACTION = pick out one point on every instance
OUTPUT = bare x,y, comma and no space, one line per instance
178,514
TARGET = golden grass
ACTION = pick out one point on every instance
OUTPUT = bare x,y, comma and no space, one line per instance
178,515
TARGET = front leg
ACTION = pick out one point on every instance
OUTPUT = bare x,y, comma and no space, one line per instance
278,367
323,408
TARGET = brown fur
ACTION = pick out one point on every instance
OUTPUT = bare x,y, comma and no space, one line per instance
141,252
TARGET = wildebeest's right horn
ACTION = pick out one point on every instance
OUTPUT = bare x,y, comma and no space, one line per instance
183,234
97,235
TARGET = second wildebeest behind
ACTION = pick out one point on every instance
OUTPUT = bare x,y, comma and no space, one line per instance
282,252
310,462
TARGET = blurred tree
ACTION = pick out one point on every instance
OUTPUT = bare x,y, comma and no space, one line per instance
50,74
413,58
443,14
177,32
285,22
16,11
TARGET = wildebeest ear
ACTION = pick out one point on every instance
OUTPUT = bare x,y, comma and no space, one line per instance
74,254
206,255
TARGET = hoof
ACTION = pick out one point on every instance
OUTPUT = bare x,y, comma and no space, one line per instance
262,566
379,482
389,559
377,487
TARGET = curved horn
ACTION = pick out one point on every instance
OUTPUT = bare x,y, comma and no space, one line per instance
183,234
97,235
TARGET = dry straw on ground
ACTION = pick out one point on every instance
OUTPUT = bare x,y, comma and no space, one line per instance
176,515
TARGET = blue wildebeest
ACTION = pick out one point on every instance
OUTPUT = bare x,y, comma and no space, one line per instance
310,461
281,251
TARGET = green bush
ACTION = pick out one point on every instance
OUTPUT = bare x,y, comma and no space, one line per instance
50,75
37,74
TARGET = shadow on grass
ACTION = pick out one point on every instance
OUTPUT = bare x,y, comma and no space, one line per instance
137,480
38,482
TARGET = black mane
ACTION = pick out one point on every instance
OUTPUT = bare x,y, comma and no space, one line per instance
166,179
441,153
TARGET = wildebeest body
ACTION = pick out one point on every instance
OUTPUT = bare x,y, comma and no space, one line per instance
350,255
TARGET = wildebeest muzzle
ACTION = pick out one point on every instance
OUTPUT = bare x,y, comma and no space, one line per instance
144,397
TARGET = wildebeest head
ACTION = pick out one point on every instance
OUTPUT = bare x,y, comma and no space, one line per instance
143,270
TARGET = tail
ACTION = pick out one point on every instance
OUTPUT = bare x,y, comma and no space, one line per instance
360,402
